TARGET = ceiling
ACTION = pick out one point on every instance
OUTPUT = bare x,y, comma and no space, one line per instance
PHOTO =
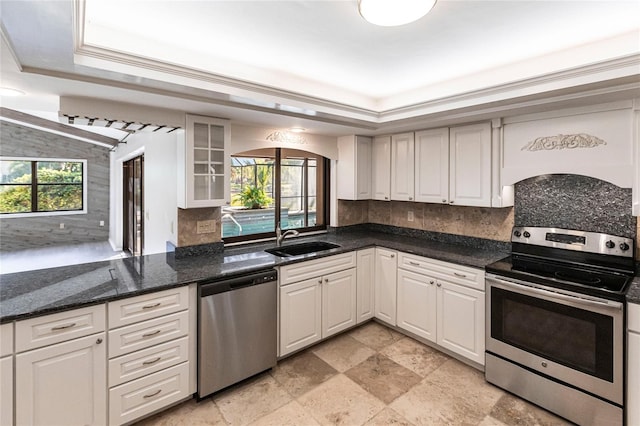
318,64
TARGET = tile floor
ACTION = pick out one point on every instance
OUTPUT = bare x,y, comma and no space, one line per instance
371,375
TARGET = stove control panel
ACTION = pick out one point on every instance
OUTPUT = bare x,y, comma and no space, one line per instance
570,239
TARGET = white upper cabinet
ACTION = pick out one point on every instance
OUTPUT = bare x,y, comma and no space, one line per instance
402,164
432,166
204,163
354,167
381,172
470,165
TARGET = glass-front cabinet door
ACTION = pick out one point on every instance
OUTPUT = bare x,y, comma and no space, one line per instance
206,163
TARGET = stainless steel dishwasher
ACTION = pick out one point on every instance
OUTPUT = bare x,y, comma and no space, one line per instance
237,329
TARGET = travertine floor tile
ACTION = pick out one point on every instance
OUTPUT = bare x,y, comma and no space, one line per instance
375,336
343,352
383,378
515,411
292,414
388,417
247,402
193,413
302,372
452,394
490,421
339,401
419,358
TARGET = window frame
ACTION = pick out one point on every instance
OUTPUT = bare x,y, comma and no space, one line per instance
324,192
34,183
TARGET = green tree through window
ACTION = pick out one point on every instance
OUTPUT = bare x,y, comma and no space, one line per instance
33,186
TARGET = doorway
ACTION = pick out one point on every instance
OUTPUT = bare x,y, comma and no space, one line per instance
133,203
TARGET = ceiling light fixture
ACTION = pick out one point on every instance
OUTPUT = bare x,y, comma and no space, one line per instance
7,91
391,13
297,129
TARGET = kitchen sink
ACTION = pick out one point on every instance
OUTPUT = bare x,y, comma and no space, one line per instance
302,248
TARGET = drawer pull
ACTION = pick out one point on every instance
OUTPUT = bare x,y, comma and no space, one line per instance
63,327
457,274
153,333
414,263
151,395
153,361
439,285
155,305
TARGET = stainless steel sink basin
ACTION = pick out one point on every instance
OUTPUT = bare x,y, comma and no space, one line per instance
302,248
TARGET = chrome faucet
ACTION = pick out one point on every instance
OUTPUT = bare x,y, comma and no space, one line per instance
280,236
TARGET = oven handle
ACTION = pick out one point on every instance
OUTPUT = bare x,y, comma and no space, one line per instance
534,289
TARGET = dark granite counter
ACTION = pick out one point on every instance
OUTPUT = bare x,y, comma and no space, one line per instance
34,293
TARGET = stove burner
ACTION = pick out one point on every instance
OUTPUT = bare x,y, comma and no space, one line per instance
594,281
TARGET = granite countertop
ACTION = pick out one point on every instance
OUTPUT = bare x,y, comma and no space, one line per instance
34,293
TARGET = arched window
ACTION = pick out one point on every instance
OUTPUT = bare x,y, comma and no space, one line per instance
266,184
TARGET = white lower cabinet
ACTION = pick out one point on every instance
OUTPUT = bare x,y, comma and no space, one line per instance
433,307
365,302
633,365
6,390
63,384
461,319
318,307
417,304
134,399
385,285
300,315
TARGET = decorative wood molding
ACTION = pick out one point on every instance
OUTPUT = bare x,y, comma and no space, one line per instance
548,143
286,137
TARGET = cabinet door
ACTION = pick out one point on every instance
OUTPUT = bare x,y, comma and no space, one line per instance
432,166
417,304
470,165
354,168
402,163
300,315
461,320
365,285
63,384
6,390
207,162
338,302
633,383
381,172
385,283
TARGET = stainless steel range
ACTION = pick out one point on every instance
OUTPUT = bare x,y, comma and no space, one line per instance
555,321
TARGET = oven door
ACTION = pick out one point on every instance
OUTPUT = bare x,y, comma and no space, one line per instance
566,336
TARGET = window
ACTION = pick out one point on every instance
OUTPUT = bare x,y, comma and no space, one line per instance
268,183
42,186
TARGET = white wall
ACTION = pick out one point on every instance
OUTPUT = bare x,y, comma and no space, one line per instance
160,188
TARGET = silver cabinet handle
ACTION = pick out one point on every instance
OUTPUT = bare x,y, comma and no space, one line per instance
326,280
151,395
320,281
439,284
153,361
451,202
432,282
63,327
153,333
410,198
457,274
414,263
98,341
386,198
392,256
155,305
444,200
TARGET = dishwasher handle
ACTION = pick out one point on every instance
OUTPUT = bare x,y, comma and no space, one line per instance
216,286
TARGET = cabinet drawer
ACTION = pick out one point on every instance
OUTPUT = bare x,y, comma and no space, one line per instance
43,331
6,339
146,361
145,334
317,267
633,319
147,306
463,275
148,394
